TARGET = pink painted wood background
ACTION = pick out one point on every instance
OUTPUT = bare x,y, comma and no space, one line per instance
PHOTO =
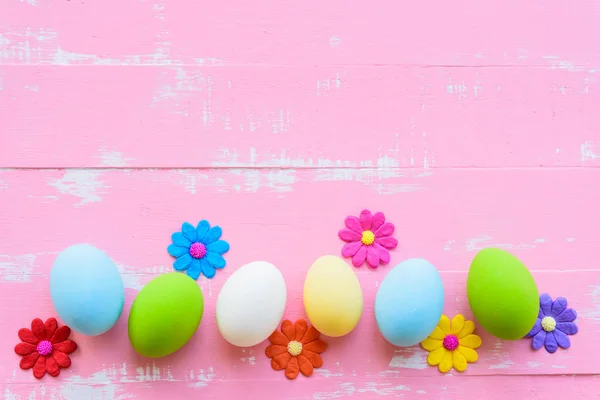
470,123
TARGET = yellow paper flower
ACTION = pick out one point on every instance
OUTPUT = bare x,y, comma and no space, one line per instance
452,344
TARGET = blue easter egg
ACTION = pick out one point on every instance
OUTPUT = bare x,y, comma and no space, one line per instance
409,302
86,289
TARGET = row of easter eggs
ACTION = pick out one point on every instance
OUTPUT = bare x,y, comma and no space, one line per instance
88,294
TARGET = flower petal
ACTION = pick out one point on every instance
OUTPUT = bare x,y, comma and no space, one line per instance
29,360
436,356
216,260
378,220
61,359
550,344
52,367
459,362
354,224
348,235
38,328
387,229
213,235
300,327
178,239
569,315
446,364
220,247
567,327
279,338
359,258
288,329
536,328
559,305
207,270
472,341
51,326
316,346
306,366
177,251
274,350
194,270
281,361
372,257
458,322
39,369
27,336
366,220
467,329
61,334
470,354
311,334
444,324
189,232
182,263
538,340
292,369
430,344
384,254
561,339
389,242
351,248
68,346
545,303
202,229
25,348
313,357
437,333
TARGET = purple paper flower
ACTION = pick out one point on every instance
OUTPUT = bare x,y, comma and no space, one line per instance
554,323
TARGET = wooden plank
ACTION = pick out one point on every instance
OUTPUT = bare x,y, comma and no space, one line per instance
386,117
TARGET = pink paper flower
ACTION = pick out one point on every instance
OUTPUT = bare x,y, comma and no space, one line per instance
368,238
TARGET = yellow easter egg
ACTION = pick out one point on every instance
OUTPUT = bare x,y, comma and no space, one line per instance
333,300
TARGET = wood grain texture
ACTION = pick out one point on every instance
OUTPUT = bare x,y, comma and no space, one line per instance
470,124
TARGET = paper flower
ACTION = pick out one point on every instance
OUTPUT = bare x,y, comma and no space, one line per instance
198,250
45,347
553,324
296,349
452,344
368,238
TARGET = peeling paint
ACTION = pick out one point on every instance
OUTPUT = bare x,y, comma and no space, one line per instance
587,151
410,358
201,377
84,184
17,268
113,158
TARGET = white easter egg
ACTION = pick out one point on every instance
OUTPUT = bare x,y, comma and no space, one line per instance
251,304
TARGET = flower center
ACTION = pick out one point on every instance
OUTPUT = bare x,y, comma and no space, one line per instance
549,324
367,238
450,342
44,348
197,250
294,348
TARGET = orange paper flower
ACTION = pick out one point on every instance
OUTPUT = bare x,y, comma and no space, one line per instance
296,349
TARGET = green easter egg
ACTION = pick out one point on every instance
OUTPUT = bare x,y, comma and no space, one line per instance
165,315
502,294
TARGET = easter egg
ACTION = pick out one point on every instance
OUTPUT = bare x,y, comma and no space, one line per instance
86,289
165,314
251,304
409,302
502,294
333,300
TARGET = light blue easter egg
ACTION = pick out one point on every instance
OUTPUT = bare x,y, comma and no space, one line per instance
409,302
86,289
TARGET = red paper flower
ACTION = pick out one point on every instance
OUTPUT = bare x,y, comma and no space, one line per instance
45,347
